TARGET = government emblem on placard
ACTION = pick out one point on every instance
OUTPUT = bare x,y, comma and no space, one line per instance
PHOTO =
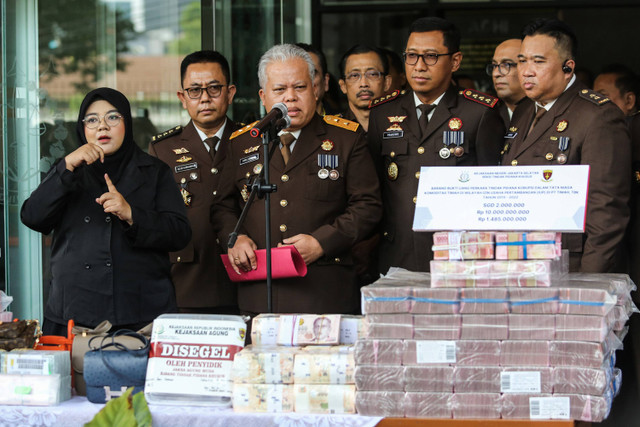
546,175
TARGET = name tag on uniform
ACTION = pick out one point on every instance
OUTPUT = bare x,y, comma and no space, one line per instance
249,159
186,167
393,134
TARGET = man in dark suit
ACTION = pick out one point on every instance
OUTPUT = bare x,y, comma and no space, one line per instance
327,198
563,122
434,124
504,74
196,154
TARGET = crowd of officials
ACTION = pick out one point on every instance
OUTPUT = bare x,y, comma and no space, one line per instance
128,228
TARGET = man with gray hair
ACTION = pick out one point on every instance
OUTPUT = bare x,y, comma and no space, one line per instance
327,198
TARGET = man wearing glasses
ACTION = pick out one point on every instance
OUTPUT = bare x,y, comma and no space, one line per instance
196,155
434,124
364,77
564,122
505,78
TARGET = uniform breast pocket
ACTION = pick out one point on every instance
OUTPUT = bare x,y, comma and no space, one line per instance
394,155
393,148
324,184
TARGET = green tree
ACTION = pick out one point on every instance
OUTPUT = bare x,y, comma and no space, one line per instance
189,39
68,40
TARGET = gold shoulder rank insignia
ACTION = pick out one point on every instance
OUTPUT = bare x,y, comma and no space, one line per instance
479,97
378,101
173,131
593,96
342,123
242,130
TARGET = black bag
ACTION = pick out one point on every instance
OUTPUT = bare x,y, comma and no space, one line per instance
112,368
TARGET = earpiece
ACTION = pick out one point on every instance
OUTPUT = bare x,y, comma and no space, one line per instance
566,68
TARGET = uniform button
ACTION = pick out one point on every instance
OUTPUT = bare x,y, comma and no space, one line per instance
420,150
549,156
87,219
179,259
107,219
183,180
514,162
215,192
87,267
385,234
284,203
248,175
214,171
284,178
283,228
392,154
337,259
417,175
108,264
415,199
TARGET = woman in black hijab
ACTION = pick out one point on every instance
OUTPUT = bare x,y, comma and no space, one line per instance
115,213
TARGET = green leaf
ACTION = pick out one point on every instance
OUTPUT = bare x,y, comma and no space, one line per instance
141,410
116,413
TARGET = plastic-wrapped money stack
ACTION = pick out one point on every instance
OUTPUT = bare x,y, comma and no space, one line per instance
494,351
298,363
34,378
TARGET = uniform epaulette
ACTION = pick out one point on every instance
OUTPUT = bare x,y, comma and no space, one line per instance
378,101
342,123
594,96
242,130
479,97
167,133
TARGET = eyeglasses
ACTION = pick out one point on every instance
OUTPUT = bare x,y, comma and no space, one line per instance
503,68
371,75
411,58
214,91
92,121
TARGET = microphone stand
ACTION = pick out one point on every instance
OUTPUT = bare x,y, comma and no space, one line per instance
261,187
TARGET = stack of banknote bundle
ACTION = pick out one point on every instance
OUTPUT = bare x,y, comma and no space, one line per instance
300,363
492,352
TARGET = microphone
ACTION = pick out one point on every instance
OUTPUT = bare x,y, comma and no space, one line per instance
277,116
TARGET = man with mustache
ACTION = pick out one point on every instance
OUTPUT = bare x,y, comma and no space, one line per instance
564,122
196,154
434,124
327,198
364,77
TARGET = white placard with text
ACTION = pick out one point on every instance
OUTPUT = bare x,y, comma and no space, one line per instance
552,198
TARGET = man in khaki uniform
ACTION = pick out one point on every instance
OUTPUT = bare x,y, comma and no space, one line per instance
196,154
563,122
434,124
327,198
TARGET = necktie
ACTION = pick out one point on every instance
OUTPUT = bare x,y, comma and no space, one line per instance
211,142
286,139
424,118
537,117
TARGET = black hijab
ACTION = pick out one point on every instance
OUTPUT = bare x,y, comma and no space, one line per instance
114,164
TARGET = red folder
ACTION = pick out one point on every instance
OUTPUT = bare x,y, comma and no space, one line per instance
286,262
